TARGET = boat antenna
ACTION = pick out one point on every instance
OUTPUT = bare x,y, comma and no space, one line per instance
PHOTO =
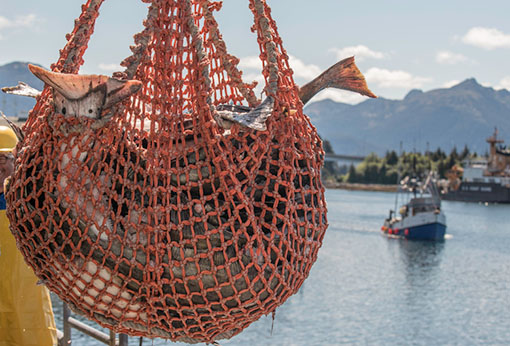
399,173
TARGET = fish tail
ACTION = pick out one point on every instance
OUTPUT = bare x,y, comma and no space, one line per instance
17,131
342,75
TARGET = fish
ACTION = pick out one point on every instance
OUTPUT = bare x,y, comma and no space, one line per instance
90,97
85,95
198,243
343,75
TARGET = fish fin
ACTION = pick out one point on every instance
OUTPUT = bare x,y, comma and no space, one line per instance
7,184
117,90
17,131
254,119
342,75
22,89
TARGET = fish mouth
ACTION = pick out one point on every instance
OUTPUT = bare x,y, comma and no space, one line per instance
85,95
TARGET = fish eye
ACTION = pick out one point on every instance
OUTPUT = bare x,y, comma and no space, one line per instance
90,111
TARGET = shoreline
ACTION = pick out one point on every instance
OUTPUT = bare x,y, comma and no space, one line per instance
360,187
327,184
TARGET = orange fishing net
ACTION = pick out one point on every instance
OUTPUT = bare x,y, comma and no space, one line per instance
159,218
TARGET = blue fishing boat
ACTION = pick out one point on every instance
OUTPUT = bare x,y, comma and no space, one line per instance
420,215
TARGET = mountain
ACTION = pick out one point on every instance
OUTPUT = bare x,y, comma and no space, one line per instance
10,75
465,114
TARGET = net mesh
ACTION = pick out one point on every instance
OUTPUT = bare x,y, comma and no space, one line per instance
159,222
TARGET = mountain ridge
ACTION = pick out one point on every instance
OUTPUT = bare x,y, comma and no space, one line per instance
465,114
10,75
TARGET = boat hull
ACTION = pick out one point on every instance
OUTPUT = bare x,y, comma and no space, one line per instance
479,192
433,231
425,226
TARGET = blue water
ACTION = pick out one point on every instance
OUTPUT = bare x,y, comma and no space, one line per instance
366,289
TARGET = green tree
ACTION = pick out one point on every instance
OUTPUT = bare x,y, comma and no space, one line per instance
454,155
465,153
352,176
387,169
383,174
372,158
392,178
438,155
450,162
441,168
328,148
391,158
371,173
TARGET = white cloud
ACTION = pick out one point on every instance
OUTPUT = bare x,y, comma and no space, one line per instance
26,21
255,77
394,79
250,62
339,96
446,57
250,77
487,38
486,84
301,70
110,67
504,83
360,52
4,22
450,83
18,22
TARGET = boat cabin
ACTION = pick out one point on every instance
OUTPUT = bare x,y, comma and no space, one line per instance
499,157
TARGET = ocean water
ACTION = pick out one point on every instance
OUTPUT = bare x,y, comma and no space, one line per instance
366,289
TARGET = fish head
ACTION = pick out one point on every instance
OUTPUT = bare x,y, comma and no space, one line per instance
85,95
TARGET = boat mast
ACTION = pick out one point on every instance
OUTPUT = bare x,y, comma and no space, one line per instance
399,173
492,167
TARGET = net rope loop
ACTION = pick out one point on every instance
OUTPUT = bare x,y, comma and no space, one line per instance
156,217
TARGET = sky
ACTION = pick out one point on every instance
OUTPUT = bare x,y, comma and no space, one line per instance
399,45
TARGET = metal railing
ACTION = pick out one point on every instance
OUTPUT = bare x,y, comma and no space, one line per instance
64,338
